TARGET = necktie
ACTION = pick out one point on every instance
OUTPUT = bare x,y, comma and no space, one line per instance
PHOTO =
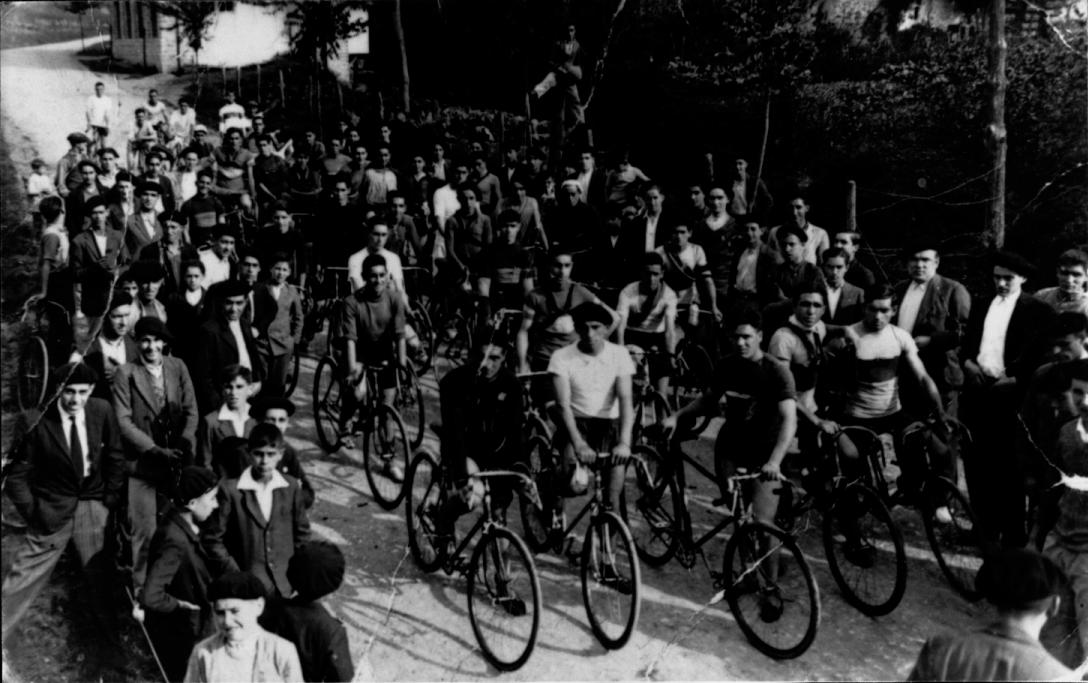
75,448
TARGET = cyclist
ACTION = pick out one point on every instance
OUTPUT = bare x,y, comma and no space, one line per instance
687,273
592,381
372,328
647,312
505,268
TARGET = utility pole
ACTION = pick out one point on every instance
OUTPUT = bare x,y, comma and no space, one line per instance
997,136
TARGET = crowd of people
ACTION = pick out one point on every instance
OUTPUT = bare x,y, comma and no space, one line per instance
190,261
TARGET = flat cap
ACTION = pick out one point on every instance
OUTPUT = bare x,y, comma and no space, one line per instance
150,326
261,406
316,569
76,373
237,585
1017,578
1014,262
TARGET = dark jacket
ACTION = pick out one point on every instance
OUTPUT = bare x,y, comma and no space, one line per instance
278,322
97,362
215,350
850,309
174,280
179,568
263,547
136,237
766,287
320,638
94,270
45,483
183,320
943,316
75,208
1024,339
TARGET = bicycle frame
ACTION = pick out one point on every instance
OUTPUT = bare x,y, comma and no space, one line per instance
483,522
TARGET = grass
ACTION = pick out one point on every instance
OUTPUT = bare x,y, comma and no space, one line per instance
18,265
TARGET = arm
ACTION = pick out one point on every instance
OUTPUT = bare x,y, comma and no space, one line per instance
926,381
294,311
160,573
787,412
670,333
562,397
219,558
139,441
624,394
527,317
338,657
955,323
204,448
623,311
301,519
18,475
189,409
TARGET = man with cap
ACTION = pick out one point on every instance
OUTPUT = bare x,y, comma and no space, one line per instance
149,276
238,600
153,164
224,340
203,211
88,187
1023,585
315,570
175,598
277,411
95,257
1002,347
200,143
113,347
156,407
66,475
67,178
143,227
219,260
170,253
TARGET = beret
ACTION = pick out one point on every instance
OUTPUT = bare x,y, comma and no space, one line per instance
222,229
153,327
591,312
146,271
1014,262
148,186
260,406
237,585
316,569
1016,578
93,203
229,288
193,483
76,373
76,138
120,299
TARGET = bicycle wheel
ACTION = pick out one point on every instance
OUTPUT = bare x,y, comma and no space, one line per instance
771,591
652,409
610,580
536,519
423,355
410,406
504,598
327,393
385,454
293,373
425,497
693,375
652,507
33,373
865,550
953,537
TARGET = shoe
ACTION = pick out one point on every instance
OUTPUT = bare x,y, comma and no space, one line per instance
860,553
513,605
392,470
610,578
943,515
771,606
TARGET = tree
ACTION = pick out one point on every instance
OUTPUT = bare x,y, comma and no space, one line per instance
399,25
193,20
79,8
323,26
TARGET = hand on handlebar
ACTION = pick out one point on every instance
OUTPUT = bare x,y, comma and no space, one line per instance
668,426
620,453
355,372
771,472
829,427
585,454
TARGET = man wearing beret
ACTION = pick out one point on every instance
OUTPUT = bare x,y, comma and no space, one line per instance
1003,346
77,199
156,408
66,475
221,341
143,227
1023,585
67,178
113,347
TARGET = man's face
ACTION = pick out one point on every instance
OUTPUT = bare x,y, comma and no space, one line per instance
233,307
472,201
845,241
281,270
204,185
656,199
361,156
536,163
154,165
511,157
203,506
742,167
681,234
481,167
131,288
193,278
277,417
754,232
698,198
835,271
571,194
150,349
149,290
1006,282
311,137
809,309
117,321
561,267
511,230
491,362
1071,279
258,125
224,246
519,189
717,200
99,89
1079,393
89,175
922,265
109,161
141,118
376,279
379,235
793,249
234,137
174,232
191,161
587,162
746,340
153,97
799,209
386,157
235,392
878,314
400,206
282,220
439,151
1067,347
264,148
148,200
265,460
592,333
343,192
74,397
183,106
250,268
386,132
462,174
199,135
236,619
353,136
99,214
651,276
126,188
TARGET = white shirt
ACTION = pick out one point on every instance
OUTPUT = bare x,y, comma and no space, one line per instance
100,240
99,111
593,378
236,418
80,421
651,232
392,266
991,350
262,491
583,182
215,269
833,298
912,302
243,353
193,298
113,350
746,271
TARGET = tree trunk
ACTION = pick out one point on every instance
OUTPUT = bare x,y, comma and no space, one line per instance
851,206
762,150
399,27
82,41
996,133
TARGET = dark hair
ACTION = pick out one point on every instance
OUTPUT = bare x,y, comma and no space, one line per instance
808,289
509,216
747,316
266,435
87,162
652,258
279,257
374,260
787,230
264,137
833,252
234,371
1069,322
51,208
1072,258
123,176
192,263
878,292
109,150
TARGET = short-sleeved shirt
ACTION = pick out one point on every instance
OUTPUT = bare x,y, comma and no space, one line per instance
787,345
230,171
593,378
553,327
876,382
201,214
374,323
752,423
683,269
647,313
508,265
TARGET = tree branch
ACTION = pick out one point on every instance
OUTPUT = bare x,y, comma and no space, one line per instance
598,69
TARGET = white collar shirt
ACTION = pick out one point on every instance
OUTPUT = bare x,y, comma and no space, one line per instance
911,304
236,418
991,351
239,340
79,420
834,296
263,491
113,350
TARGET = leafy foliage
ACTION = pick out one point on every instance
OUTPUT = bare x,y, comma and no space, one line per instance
322,25
193,19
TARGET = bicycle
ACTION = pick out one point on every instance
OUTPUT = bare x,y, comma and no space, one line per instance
422,350
379,426
611,577
534,408
503,586
651,407
50,338
693,375
409,404
778,611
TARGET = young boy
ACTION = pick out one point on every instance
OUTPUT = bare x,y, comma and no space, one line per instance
262,518
38,184
241,650
277,323
276,410
232,417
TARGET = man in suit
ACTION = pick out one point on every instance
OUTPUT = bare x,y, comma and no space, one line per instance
653,226
113,347
845,302
156,409
935,310
221,341
591,180
1002,348
65,477
143,227
185,311
95,256
76,201
277,323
